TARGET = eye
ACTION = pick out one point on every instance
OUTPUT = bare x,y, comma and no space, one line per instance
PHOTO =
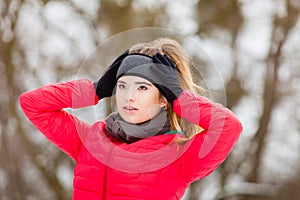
121,86
143,87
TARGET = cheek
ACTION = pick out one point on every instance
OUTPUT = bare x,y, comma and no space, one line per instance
154,110
150,100
119,98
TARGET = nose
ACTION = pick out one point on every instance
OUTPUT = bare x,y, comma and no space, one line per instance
130,94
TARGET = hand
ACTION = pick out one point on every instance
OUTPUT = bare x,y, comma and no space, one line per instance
169,84
106,84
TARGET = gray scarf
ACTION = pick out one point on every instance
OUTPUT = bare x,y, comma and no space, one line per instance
130,133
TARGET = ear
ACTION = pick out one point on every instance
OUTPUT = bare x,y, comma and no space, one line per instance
163,101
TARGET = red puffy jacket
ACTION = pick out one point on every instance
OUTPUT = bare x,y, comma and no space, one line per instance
152,168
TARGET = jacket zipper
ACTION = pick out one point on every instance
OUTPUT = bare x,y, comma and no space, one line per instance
105,174
104,183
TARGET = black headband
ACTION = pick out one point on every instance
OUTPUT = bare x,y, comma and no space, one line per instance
143,66
136,65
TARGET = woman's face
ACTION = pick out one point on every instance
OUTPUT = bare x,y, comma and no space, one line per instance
137,99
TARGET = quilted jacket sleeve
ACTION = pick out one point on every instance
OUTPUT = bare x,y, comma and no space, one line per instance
209,148
44,108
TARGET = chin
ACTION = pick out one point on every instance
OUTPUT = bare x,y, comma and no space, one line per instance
134,120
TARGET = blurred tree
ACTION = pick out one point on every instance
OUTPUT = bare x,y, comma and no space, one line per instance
18,153
119,16
224,15
282,28
31,168
215,17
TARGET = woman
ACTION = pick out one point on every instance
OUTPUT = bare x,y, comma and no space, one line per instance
163,137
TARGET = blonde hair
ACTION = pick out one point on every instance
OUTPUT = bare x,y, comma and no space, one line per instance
181,60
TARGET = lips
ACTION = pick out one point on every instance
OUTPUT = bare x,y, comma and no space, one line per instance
129,109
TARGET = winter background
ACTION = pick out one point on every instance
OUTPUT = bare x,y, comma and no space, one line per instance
249,57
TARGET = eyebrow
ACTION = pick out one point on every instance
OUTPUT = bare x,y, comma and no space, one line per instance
137,83
142,83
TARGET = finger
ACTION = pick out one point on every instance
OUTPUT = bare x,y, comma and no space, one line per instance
169,61
163,59
158,58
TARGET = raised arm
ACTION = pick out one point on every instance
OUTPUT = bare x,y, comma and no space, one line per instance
209,148
44,108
